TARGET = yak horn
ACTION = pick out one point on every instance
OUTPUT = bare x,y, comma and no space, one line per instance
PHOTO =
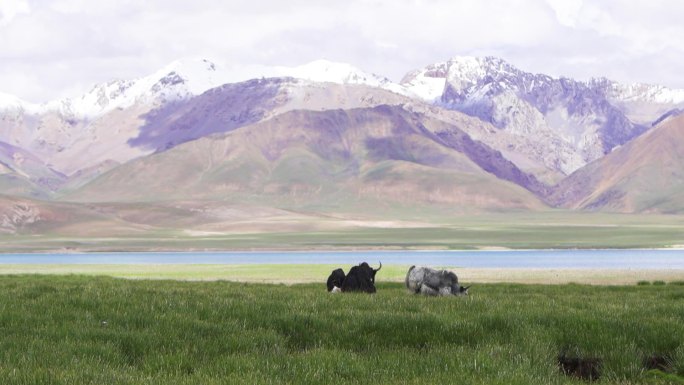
378,269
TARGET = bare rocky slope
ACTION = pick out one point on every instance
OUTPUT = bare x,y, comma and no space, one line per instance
571,123
644,176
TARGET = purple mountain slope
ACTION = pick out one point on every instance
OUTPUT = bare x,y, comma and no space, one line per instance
231,106
225,108
221,109
21,168
303,158
491,161
563,116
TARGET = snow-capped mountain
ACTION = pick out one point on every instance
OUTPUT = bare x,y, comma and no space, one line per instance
646,93
176,81
74,133
339,73
109,123
463,73
459,74
547,127
564,116
642,103
10,103
185,78
427,83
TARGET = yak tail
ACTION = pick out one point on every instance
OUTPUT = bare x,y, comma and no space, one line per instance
407,275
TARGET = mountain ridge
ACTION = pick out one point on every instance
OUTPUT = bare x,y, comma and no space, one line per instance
531,130
200,74
578,117
311,156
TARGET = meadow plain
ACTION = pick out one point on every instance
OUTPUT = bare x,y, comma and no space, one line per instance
317,273
399,228
275,324
78,329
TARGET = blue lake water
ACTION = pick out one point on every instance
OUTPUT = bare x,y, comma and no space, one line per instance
616,259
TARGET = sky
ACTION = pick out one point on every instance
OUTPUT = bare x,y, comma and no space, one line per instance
60,48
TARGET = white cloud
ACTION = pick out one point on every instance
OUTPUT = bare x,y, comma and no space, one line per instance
9,9
66,45
567,11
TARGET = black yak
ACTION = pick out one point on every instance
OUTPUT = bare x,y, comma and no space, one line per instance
360,278
335,279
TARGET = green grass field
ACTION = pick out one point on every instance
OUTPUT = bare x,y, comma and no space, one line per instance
99,330
404,230
308,273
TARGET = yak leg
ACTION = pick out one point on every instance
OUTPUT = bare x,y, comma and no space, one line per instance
427,290
444,291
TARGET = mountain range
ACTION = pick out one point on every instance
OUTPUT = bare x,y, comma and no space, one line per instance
466,134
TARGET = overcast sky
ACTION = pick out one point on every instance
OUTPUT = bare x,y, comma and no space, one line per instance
56,48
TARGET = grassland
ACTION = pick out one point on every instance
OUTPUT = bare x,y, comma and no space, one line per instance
403,229
294,273
99,330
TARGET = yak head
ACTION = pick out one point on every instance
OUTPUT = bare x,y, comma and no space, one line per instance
449,278
460,290
371,271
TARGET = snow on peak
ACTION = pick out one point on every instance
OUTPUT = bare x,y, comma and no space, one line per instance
332,72
11,102
188,77
482,64
466,71
459,72
198,75
185,78
641,92
178,80
325,71
427,83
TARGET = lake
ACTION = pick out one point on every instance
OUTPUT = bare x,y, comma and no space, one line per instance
610,259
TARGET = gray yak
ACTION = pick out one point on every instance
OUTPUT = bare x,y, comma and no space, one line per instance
428,281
